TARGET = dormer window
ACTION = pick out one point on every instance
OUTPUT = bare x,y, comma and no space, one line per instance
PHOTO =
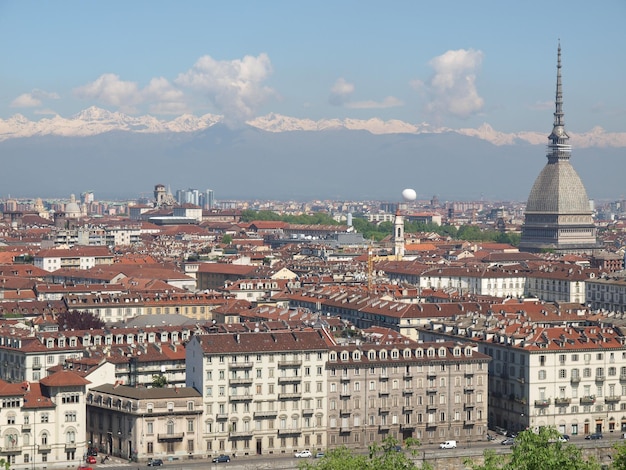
468,351
442,352
457,352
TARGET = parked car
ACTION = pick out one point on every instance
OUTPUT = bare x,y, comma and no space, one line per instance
304,454
155,463
221,459
91,459
509,441
511,434
595,436
319,455
564,438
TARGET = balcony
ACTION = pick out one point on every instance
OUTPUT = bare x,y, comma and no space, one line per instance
588,400
612,398
70,446
600,378
240,434
408,375
242,381
431,375
407,427
292,363
468,406
469,374
11,450
562,401
344,394
469,422
221,416
44,448
542,403
289,431
289,380
431,407
243,397
307,411
407,391
468,389
407,409
383,393
269,414
622,378
431,390
345,429
384,427
239,365
170,437
384,410
344,412
26,427
345,378
290,396
575,379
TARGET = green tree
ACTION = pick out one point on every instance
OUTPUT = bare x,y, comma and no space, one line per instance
538,451
159,381
227,239
386,456
619,456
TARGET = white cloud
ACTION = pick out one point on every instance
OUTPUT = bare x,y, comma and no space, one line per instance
388,102
235,87
451,91
340,92
33,99
110,90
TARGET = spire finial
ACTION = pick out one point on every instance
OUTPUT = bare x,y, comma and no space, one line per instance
559,149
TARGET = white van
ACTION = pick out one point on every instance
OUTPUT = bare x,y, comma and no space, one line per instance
448,445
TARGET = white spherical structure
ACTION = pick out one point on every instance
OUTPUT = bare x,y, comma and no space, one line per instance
409,194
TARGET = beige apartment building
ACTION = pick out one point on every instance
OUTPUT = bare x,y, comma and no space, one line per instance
263,392
140,423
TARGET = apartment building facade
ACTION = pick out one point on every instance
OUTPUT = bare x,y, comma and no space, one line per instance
263,393
429,391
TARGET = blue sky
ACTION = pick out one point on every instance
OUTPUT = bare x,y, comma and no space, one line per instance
448,63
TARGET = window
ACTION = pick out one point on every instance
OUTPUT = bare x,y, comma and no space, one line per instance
542,374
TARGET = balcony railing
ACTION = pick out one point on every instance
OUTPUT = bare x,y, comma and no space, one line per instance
240,365
289,431
407,427
612,398
286,380
292,363
240,434
622,377
384,410
243,397
345,429
221,416
290,396
542,402
575,379
270,414
562,401
588,400
11,449
600,378
240,381
307,411
174,436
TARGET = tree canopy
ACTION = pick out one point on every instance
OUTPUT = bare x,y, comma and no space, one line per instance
537,451
387,456
77,320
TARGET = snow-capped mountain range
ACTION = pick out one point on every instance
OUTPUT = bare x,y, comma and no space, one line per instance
93,121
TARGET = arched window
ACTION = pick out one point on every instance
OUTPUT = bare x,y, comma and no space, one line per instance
70,437
170,426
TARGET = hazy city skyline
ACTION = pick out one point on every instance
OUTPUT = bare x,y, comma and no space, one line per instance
452,64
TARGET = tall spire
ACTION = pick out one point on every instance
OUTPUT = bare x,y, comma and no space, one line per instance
558,147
